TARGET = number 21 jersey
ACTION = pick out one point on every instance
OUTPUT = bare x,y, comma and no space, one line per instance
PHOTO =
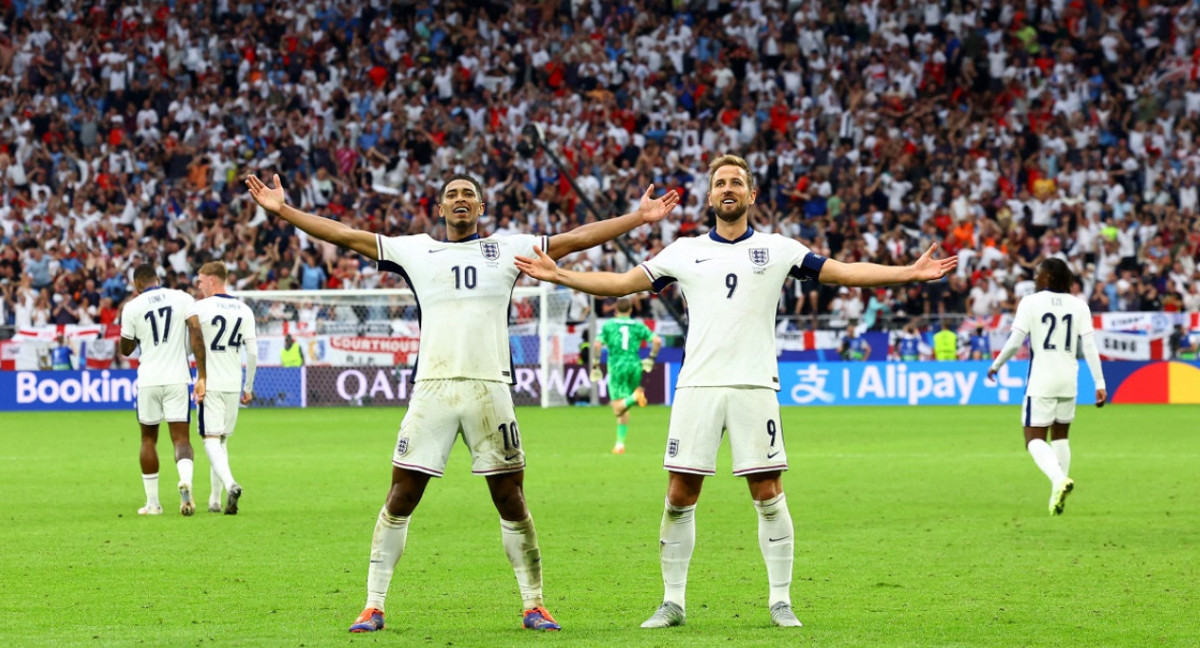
1056,324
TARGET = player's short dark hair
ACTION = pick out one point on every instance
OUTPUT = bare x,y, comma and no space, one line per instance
145,274
214,269
1058,275
731,160
461,176
624,305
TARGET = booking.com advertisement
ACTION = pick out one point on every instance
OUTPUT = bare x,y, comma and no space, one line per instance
803,384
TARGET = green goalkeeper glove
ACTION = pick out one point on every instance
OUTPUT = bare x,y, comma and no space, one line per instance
647,364
596,375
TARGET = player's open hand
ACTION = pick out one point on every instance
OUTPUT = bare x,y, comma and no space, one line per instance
928,268
542,268
655,209
198,390
269,199
1101,397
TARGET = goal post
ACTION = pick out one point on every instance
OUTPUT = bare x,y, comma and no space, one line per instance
360,345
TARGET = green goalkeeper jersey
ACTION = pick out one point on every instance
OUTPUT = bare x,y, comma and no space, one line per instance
623,337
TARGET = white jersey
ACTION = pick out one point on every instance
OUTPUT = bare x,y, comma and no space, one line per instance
1057,325
732,290
228,326
463,291
157,319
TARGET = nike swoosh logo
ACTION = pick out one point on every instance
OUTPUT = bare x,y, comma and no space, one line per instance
772,455
436,251
778,539
507,458
703,260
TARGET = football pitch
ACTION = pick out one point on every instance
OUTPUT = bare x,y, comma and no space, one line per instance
915,527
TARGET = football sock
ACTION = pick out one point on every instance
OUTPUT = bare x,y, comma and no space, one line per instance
1062,450
150,483
630,400
387,545
775,539
185,467
1044,457
214,496
521,546
676,539
622,430
220,462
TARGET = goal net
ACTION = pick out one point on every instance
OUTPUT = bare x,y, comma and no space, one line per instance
360,346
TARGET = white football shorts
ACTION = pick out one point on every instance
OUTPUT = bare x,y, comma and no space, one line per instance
439,409
160,403
1041,412
701,415
217,414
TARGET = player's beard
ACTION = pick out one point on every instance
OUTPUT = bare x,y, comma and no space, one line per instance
731,213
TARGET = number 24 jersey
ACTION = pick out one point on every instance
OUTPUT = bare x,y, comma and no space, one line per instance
227,325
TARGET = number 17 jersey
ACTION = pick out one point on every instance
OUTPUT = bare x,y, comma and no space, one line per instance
227,325
156,318
1056,324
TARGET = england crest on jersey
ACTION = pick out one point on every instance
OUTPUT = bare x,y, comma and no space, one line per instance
672,447
491,251
402,446
760,256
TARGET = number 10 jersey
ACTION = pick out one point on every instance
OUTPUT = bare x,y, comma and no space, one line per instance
463,291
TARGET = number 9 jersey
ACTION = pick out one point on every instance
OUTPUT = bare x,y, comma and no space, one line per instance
732,290
227,325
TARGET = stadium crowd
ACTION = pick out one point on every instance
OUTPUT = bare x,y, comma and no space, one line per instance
1006,132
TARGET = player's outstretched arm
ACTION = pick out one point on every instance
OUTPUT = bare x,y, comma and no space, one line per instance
274,200
649,210
864,274
607,284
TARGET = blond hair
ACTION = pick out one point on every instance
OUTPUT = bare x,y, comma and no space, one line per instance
214,269
730,160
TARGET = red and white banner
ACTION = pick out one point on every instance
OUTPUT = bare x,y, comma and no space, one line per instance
1115,345
100,353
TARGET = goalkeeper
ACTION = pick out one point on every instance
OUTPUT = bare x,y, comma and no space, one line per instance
623,336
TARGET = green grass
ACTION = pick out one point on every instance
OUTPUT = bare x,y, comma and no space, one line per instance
915,527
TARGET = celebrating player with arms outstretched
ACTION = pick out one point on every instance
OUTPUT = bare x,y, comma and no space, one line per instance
228,327
156,320
1059,327
732,279
464,284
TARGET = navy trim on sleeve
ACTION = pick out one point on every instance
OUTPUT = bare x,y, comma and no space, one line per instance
662,282
656,283
810,268
393,267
